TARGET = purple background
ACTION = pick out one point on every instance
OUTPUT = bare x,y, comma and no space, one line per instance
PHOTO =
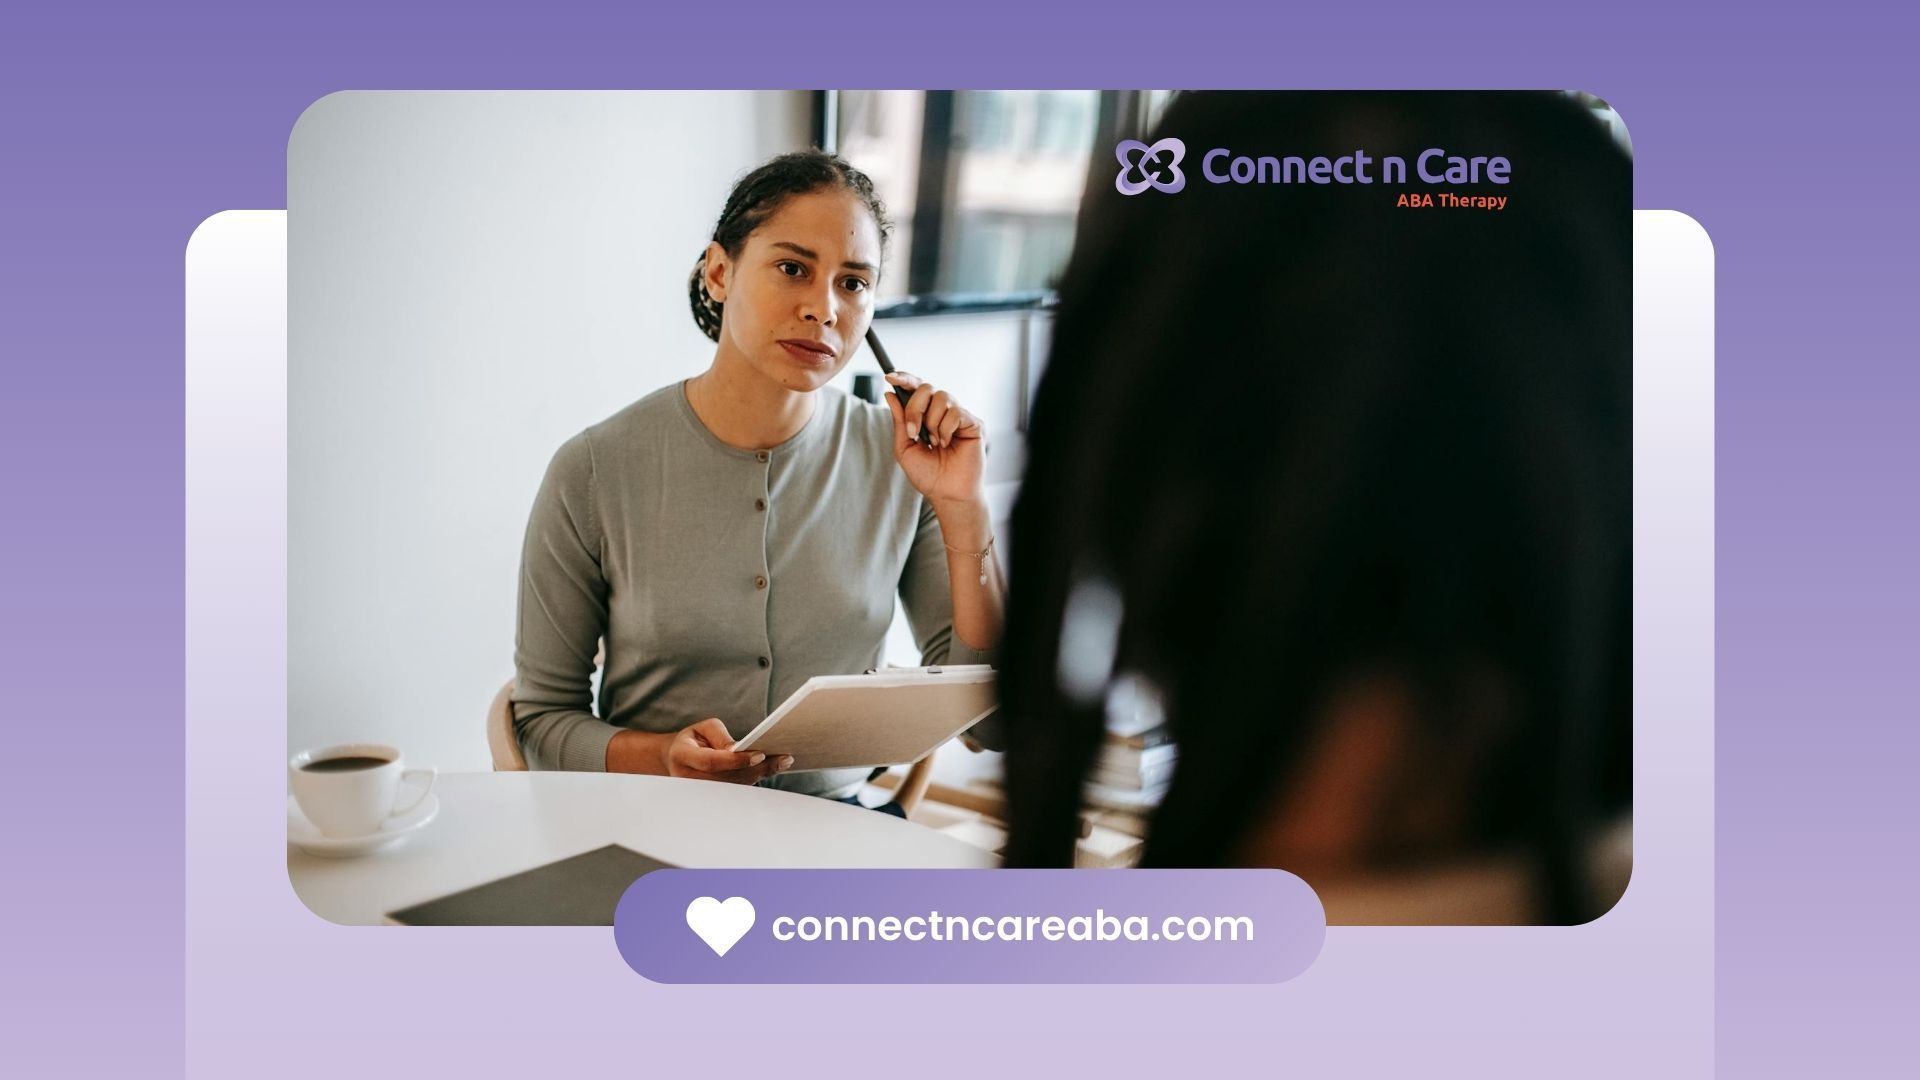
1288,926
1788,135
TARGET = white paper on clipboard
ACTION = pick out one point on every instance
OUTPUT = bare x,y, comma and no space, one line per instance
890,717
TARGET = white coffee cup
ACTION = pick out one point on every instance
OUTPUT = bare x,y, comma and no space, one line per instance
353,788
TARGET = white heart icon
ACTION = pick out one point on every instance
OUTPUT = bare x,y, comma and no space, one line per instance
720,925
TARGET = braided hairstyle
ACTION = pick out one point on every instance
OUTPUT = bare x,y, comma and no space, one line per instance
757,196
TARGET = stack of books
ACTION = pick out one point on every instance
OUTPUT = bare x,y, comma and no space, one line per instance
1137,756
1133,769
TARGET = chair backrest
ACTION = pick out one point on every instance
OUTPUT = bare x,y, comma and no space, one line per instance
505,746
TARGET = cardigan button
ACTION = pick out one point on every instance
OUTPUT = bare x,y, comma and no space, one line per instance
762,455
764,662
759,504
759,581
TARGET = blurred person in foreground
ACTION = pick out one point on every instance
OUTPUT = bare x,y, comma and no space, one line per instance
1345,487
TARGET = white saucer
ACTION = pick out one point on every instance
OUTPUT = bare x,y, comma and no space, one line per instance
306,836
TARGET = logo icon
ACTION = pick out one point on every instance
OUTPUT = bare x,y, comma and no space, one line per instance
1158,166
720,924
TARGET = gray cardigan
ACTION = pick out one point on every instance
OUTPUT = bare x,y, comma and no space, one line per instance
721,578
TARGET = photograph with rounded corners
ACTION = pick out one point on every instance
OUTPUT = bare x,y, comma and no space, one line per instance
959,479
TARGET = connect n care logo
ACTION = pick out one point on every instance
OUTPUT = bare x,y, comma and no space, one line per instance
1158,166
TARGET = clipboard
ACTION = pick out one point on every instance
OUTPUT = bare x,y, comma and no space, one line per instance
894,716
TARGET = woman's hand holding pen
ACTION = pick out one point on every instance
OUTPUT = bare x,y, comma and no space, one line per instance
949,467
950,470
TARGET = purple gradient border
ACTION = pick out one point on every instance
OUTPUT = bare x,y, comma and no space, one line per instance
1776,128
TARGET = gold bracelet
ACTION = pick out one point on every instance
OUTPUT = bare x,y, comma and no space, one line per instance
981,555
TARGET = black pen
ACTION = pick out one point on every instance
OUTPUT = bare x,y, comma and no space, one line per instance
901,392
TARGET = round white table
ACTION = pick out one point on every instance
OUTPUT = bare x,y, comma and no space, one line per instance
494,824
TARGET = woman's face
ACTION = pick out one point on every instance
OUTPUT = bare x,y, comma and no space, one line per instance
800,296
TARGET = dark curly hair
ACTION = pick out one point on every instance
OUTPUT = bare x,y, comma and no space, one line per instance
761,193
1433,485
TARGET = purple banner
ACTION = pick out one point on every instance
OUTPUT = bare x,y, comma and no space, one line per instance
969,926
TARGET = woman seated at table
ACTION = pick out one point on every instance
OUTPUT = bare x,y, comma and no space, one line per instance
1351,508
734,534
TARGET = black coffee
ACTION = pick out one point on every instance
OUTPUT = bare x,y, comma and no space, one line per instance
344,764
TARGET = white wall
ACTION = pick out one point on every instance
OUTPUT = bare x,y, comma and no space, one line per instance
473,278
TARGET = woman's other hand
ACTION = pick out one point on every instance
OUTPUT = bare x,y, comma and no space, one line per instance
704,751
952,469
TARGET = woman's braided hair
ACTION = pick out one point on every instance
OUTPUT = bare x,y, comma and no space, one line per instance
757,196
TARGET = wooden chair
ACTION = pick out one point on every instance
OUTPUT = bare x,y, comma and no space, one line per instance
913,787
504,744
991,807
508,754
